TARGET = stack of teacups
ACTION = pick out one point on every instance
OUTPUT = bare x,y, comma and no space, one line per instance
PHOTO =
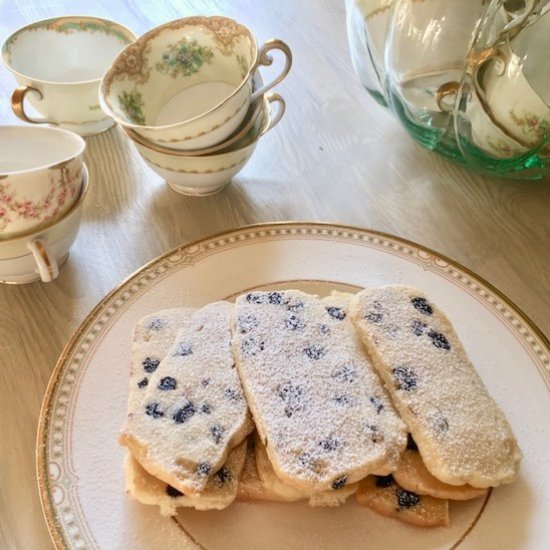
189,95
43,182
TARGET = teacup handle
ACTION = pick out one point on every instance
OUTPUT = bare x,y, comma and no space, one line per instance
265,59
447,89
17,104
47,265
475,62
275,98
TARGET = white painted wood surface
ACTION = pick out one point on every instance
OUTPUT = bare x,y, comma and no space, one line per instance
336,156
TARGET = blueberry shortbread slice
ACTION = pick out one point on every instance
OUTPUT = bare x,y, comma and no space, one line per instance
193,412
387,498
461,433
152,338
219,493
275,486
319,407
413,476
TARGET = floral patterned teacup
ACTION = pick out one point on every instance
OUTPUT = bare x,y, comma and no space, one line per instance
39,254
188,84
486,133
40,177
515,85
58,64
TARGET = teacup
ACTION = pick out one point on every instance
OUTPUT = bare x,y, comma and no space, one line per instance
485,133
40,176
255,110
38,255
208,174
531,44
515,90
188,84
426,47
246,125
58,64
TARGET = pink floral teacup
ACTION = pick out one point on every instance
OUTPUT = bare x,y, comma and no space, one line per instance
40,177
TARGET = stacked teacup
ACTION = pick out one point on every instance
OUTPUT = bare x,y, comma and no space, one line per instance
43,182
189,95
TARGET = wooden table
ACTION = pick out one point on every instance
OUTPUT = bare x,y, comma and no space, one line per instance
336,156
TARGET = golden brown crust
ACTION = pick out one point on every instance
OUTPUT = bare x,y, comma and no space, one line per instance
394,502
250,484
413,476
219,493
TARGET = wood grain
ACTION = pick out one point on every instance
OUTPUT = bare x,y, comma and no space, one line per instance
336,156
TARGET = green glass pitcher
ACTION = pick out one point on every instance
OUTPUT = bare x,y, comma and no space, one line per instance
469,79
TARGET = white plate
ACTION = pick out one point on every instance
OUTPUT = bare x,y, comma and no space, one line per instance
80,463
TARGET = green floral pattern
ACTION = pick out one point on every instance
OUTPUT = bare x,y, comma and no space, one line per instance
185,58
68,27
85,26
132,104
243,65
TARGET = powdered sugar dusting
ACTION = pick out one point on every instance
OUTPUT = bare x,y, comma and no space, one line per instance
274,485
193,410
220,491
318,405
153,336
462,435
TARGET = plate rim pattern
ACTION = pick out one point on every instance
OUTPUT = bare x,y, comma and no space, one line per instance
62,524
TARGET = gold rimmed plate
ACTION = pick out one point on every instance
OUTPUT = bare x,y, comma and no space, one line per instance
80,463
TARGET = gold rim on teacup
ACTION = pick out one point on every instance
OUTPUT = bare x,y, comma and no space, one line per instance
56,164
268,123
138,72
246,125
12,38
513,105
487,133
204,175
